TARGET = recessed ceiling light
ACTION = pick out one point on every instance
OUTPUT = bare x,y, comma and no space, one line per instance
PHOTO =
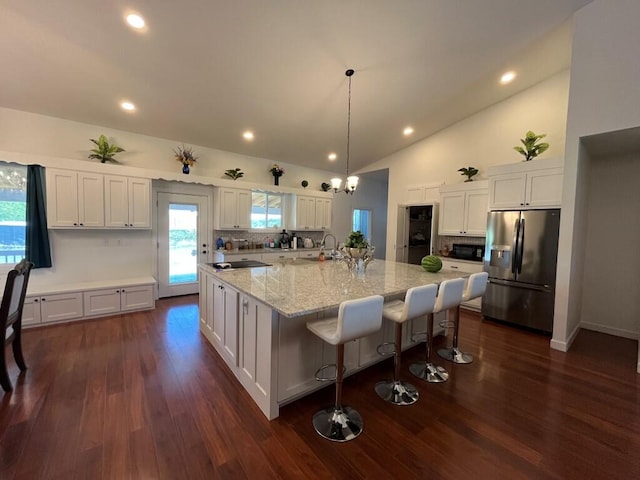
407,131
128,106
507,77
135,20
332,156
248,135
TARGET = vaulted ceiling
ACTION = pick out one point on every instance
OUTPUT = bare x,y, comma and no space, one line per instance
202,72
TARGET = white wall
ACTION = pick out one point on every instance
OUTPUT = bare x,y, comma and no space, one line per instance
41,135
610,300
371,194
604,96
484,139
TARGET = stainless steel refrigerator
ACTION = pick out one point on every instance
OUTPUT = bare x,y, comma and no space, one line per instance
520,256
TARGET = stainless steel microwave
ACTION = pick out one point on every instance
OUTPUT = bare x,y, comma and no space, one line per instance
467,252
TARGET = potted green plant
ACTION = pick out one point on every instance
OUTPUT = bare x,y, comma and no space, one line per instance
185,156
357,253
234,173
469,172
104,151
531,148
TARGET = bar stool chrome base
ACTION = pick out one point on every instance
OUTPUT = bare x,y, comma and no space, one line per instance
338,425
429,372
455,355
396,392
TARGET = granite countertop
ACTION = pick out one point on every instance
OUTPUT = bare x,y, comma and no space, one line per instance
237,251
296,287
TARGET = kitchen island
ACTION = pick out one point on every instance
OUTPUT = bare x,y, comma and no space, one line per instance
256,319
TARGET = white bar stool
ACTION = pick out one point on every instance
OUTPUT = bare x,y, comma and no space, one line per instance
356,319
476,286
418,301
449,295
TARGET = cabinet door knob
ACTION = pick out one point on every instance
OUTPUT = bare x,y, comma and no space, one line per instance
75,224
117,291
35,300
43,299
204,251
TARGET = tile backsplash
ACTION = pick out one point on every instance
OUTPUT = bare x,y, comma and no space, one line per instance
263,237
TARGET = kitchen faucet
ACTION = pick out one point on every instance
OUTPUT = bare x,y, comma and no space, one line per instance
335,243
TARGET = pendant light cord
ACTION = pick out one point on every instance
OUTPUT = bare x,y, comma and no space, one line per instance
349,73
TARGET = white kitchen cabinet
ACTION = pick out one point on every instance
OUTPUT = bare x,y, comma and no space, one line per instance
205,302
233,209
323,213
74,199
120,299
463,209
305,213
127,202
418,194
313,213
52,308
276,256
466,267
529,185
222,256
225,319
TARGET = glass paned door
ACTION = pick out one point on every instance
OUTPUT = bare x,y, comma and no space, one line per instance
182,242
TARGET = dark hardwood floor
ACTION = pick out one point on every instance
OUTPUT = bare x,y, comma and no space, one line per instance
143,396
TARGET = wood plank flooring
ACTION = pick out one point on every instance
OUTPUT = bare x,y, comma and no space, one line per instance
143,396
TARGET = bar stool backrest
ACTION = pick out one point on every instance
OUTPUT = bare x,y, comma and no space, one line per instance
449,294
419,301
476,286
359,318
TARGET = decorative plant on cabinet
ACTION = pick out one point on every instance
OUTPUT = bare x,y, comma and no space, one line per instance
104,151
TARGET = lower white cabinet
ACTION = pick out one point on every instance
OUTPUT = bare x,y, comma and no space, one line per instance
52,308
87,300
114,300
225,319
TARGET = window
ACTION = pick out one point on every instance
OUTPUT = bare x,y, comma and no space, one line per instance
13,208
266,210
362,222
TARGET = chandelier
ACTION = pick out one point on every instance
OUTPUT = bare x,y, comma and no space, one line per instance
352,181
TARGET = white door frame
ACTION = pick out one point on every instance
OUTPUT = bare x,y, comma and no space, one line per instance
205,220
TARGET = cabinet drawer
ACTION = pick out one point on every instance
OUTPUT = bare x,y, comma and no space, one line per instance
461,266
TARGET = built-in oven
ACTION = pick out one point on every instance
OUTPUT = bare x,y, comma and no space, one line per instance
467,252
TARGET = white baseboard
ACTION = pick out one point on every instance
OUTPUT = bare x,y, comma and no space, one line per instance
565,345
618,332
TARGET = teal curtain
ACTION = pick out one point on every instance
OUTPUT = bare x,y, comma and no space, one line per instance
37,248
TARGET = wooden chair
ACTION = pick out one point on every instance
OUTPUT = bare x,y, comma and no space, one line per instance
15,290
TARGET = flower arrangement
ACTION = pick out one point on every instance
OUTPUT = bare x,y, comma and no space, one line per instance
185,155
105,151
276,170
531,148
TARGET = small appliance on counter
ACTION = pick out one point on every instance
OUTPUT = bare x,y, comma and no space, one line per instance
284,239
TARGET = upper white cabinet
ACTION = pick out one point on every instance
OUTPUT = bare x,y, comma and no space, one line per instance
529,185
422,193
90,200
233,209
74,199
127,202
323,213
313,213
463,209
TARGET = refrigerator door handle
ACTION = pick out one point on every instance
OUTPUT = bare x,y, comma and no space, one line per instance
521,246
526,286
514,250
